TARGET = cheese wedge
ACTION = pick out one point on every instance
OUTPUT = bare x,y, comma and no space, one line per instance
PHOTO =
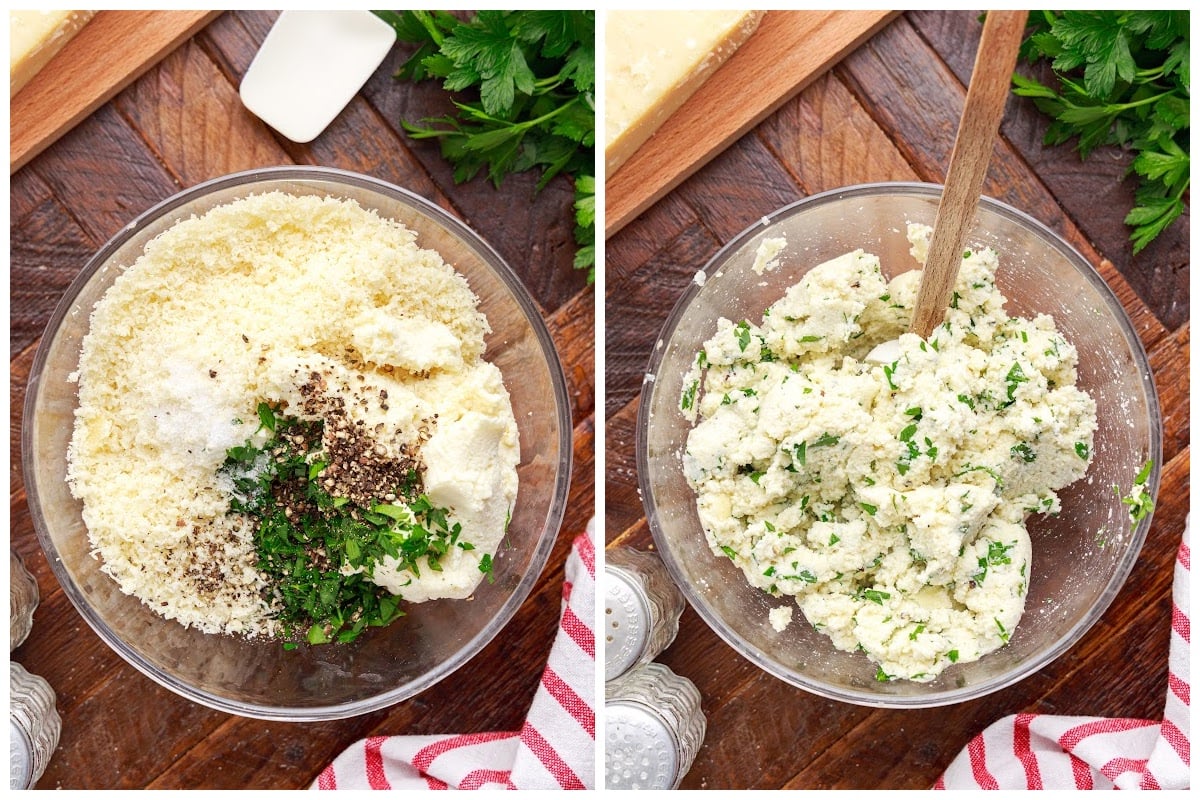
35,37
655,61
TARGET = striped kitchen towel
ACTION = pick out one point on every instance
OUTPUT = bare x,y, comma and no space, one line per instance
1043,751
555,748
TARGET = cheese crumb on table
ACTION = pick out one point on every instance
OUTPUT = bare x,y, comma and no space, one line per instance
312,305
888,499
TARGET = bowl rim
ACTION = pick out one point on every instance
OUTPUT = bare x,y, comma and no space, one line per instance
763,660
553,521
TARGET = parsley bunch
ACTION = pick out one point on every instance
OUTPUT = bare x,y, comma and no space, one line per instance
1124,80
531,76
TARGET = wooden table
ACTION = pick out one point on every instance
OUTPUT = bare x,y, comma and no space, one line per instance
179,124
888,111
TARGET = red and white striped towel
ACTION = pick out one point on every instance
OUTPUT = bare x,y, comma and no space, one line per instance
1042,751
555,748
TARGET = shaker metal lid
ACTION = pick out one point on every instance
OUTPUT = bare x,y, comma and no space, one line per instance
20,756
626,622
641,751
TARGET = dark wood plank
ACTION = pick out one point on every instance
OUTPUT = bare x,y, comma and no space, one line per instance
839,136
193,121
103,167
57,241
640,306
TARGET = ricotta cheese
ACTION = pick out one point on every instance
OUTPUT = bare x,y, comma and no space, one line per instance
888,500
304,303
654,61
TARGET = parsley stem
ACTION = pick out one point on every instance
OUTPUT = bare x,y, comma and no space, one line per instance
524,124
426,20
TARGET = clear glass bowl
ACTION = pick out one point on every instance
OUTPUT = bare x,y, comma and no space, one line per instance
385,665
1074,577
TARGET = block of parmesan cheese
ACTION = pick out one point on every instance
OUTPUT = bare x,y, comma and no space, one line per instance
35,37
655,61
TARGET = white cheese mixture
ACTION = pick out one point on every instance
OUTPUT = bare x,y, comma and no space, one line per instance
261,300
888,499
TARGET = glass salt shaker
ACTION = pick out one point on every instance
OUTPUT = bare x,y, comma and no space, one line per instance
22,599
34,726
653,728
642,606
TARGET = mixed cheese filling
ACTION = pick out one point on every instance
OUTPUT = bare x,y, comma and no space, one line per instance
888,499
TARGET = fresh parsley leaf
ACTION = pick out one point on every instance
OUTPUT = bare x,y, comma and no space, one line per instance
524,87
1123,79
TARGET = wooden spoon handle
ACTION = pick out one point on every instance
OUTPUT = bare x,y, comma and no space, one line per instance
986,94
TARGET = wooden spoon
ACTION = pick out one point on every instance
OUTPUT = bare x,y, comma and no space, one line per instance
987,92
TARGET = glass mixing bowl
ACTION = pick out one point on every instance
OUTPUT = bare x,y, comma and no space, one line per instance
1080,558
385,665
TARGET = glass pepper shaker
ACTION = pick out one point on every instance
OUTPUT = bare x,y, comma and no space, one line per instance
653,728
642,606
22,598
35,726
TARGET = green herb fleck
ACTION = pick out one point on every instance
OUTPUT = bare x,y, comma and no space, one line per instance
689,396
826,440
874,595
1024,452
1014,378
888,371
1139,501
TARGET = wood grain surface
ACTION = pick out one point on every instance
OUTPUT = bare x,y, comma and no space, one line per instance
888,111
178,124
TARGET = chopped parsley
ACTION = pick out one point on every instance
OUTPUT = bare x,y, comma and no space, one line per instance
1014,378
874,595
307,539
1139,501
742,331
1024,452
689,396
997,554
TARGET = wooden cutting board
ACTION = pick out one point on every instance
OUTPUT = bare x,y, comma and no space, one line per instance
108,54
787,52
